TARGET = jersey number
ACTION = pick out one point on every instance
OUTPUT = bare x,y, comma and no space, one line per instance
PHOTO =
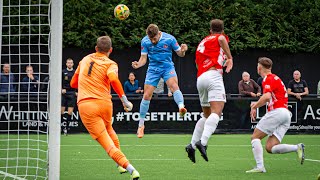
201,47
90,68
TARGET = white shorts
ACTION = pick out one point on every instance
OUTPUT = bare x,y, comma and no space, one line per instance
210,87
275,122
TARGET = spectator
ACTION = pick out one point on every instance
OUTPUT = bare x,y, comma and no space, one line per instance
131,86
248,87
69,95
160,88
30,83
298,87
6,79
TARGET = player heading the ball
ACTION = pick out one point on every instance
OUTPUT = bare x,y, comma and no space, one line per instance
158,46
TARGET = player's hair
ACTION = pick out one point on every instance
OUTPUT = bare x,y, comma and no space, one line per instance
69,59
104,44
152,30
216,25
265,62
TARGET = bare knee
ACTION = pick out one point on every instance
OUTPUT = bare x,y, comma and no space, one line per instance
268,148
253,137
147,96
174,87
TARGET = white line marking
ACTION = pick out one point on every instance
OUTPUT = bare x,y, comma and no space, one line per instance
11,175
173,159
174,145
314,160
147,145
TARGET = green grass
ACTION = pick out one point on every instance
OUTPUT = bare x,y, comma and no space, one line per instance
162,156
23,155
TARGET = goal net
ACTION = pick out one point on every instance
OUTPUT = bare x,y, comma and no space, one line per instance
28,120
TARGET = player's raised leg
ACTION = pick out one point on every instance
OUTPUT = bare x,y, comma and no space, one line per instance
144,107
273,145
171,79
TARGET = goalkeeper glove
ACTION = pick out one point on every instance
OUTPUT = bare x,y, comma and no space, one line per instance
126,104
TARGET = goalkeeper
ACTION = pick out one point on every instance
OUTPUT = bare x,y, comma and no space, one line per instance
93,77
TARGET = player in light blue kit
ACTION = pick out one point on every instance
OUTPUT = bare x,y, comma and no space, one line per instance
158,47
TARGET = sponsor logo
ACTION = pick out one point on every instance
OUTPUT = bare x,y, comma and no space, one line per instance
312,113
33,119
158,116
267,86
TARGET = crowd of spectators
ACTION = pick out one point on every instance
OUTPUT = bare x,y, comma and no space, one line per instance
28,83
296,87
247,87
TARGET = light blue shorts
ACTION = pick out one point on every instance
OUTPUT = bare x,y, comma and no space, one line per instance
154,74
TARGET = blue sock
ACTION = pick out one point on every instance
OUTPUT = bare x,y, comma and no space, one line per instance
178,98
144,107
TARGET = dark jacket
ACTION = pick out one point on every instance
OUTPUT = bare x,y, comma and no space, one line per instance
131,88
6,83
247,88
28,85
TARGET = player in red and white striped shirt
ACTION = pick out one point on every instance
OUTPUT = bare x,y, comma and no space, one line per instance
211,54
275,122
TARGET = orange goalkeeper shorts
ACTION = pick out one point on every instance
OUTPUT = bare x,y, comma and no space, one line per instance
95,115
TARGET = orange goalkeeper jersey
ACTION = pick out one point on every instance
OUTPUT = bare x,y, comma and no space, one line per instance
93,81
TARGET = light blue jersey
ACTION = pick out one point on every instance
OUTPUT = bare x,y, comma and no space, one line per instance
160,54
160,58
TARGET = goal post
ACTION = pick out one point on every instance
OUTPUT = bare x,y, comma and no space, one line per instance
30,91
55,88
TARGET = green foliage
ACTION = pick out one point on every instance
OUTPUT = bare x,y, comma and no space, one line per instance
289,25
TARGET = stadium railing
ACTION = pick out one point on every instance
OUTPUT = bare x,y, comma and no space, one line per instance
42,96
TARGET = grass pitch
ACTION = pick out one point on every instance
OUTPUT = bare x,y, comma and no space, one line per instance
162,156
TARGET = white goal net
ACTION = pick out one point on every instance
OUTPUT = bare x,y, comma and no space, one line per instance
26,72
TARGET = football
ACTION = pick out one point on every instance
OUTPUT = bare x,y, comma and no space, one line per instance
121,12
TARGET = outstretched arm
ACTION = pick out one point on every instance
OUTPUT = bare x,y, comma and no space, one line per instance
116,85
142,61
182,51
